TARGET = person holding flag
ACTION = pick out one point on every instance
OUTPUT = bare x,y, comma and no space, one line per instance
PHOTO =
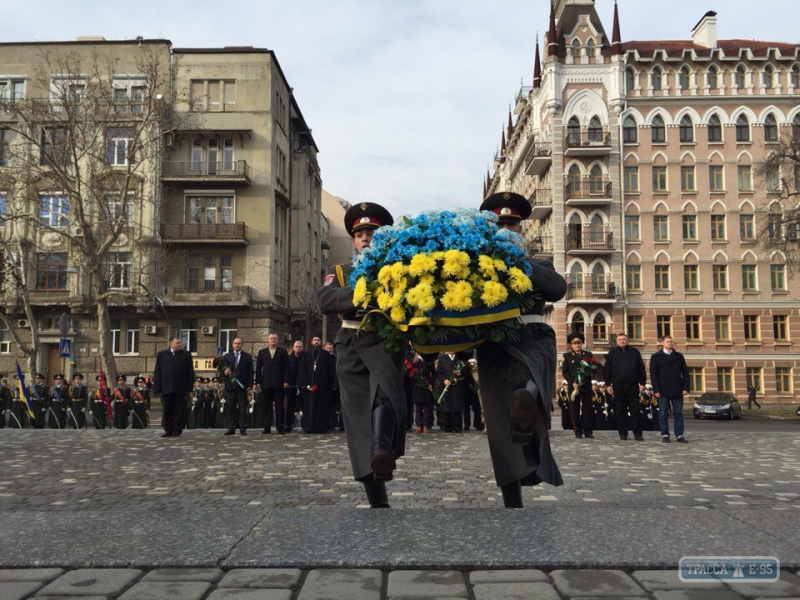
101,403
21,408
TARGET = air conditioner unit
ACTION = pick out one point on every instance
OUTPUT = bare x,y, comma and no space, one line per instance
208,330
151,329
22,323
77,231
169,140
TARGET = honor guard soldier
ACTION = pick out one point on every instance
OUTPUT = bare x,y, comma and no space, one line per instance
518,378
98,408
563,404
371,381
40,400
255,409
612,418
5,400
121,403
196,408
220,420
579,379
18,415
208,406
57,413
78,399
140,405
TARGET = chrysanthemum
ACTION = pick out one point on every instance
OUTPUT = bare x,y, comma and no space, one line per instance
398,271
384,274
500,265
384,300
494,293
360,296
397,314
455,261
421,264
421,297
518,281
458,296
486,267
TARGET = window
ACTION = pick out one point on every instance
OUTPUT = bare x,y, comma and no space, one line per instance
722,328
281,166
720,277
51,271
227,333
630,179
633,277
693,327
715,178
711,77
744,178
696,384
132,336
738,78
634,327
663,326
747,228
690,278
662,278
752,376
770,129
655,78
630,80
717,227
129,94
115,208
595,130
573,132
575,49
209,273
742,129
794,76
725,379
774,226
687,179
630,131
5,136
213,95
772,179
751,327
659,179
210,209
749,278
116,335
54,147
768,76
683,78
281,257
658,133
777,277
125,336
660,228
689,226
188,334
783,380
714,129
780,328
590,48
118,146
54,211
632,228
599,329
118,270
686,130
5,339
11,90
596,181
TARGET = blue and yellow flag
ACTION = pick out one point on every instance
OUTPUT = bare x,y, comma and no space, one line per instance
24,394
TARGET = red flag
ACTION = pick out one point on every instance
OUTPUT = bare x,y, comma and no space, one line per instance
103,395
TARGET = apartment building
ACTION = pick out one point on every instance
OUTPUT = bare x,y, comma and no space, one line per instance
642,162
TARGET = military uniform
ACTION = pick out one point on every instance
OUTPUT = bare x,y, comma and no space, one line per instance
563,404
140,405
255,409
121,404
197,409
59,398
18,415
582,400
78,399
40,402
98,409
5,401
600,408
220,418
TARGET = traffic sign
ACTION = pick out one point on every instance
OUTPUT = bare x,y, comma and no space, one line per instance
63,324
64,348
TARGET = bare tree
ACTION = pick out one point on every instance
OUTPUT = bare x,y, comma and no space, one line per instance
82,158
303,301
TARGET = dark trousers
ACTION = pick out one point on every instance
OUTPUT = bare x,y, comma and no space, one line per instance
423,414
626,399
477,420
291,402
273,400
581,409
237,409
173,418
452,421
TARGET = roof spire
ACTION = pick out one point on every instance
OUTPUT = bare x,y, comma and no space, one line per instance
616,40
552,43
503,146
537,67
510,123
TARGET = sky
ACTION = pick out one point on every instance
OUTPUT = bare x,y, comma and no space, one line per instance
406,99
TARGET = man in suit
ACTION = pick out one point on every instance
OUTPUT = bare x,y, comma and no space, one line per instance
271,380
238,381
173,378
670,377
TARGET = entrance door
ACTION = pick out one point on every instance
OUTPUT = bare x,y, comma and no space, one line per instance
54,363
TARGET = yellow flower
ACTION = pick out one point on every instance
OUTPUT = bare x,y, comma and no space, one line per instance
455,261
493,293
487,267
458,296
384,300
438,255
421,297
428,279
360,295
397,314
384,274
518,281
398,271
420,264
500,265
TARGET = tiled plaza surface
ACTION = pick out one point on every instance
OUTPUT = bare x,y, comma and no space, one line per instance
127,514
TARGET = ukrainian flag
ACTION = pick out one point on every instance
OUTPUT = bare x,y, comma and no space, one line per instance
23,391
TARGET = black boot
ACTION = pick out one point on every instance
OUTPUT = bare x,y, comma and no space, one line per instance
383,429
512,494
524,413
376,493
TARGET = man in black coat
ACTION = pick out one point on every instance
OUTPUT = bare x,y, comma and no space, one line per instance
316,379
173,378
670,378
238,377
271,379
626,375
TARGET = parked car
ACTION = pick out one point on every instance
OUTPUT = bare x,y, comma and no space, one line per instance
721,405
797,411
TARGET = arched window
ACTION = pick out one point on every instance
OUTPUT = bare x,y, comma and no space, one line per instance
598,279
655,78
738,77
578,325
658,133
596,180
795,76
573,132
686,130
742,129
575,49
796,127
768,76
770,129
630,80
714,129
597,231
574,182
683,78
595,130
590,47
712,77
575,236
599,329
630,132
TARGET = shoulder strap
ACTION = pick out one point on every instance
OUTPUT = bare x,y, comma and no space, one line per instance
340,275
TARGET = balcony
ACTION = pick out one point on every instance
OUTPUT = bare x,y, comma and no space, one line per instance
237,295
592,289
206,233
588,193
538,159
203,172
587,142
541,202
592,241
541,247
